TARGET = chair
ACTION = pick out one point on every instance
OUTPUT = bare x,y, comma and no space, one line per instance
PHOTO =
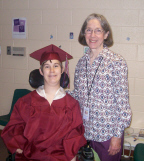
4,119
139,152
36,79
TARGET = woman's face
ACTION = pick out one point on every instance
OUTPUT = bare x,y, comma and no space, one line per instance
52,71
95,35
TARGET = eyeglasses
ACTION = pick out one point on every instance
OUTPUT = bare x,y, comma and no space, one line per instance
96,31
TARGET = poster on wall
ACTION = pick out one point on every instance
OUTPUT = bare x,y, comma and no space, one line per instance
19,28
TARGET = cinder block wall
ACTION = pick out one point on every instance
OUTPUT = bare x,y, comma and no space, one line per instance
58,18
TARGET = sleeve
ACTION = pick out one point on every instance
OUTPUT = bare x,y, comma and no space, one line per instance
74,92
121,93
75,139
12,134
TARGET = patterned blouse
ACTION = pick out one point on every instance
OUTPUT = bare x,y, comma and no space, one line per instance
106,83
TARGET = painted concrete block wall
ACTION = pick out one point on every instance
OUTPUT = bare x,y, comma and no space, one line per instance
58,18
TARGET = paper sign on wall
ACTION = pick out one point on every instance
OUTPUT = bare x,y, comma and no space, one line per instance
19,28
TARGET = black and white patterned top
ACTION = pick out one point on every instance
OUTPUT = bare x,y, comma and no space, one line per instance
109,109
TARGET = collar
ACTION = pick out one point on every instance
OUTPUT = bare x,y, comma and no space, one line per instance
60,93
101,54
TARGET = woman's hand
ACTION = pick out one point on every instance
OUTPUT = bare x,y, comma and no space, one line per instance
19,151
74,159
115,146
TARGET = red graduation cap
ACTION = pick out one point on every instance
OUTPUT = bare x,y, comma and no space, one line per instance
50,52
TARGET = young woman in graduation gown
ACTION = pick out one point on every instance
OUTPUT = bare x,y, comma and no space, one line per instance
46,124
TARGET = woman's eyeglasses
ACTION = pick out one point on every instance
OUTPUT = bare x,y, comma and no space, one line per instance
96,31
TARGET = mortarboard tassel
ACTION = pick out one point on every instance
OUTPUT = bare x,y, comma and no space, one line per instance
66,69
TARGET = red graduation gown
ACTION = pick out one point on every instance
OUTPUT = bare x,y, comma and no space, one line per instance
45,132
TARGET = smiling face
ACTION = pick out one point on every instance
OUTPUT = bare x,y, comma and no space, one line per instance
51,71
96,38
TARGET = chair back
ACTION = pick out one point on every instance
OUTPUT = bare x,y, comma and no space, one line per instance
18,93
4,119
139,152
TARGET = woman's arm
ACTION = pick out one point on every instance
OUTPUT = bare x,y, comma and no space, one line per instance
122,109
12,134
75,139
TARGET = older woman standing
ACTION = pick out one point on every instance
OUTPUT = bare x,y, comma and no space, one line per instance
101,87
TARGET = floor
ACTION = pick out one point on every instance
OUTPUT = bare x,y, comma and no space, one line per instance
127,159
3,150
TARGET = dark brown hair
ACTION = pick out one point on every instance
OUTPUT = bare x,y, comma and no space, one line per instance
105,26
